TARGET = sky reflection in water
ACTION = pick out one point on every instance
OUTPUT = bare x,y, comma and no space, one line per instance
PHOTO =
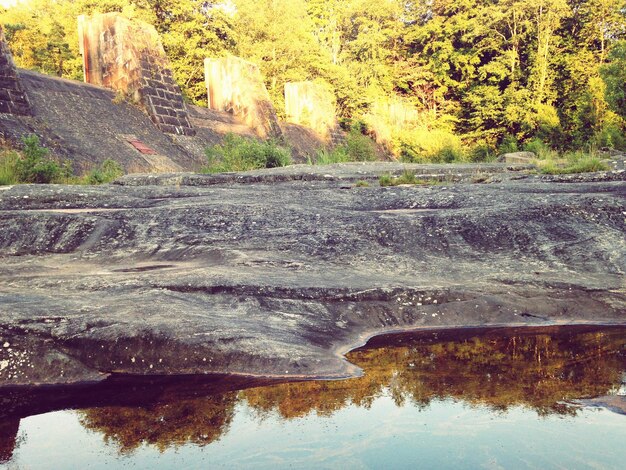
505,398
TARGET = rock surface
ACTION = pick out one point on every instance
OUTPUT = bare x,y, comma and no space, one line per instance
280,274
13,100
517,157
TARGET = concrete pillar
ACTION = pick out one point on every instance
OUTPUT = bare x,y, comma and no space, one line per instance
311,105
13,99
387,116
127,56
236,86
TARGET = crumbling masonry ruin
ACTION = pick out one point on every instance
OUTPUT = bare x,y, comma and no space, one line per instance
129,58
13,100
313,105
124,66
236,86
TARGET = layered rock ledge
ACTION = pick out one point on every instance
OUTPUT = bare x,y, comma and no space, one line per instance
280,272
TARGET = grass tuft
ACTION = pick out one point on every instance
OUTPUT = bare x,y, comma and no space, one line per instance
405,178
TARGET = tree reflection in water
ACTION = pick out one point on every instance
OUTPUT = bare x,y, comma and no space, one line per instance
498,369
198,421
8,439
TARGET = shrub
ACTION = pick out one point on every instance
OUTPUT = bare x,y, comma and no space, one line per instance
34,166
240,154
31,165
547,122
611,134
336,155
509,144
105,173
539,148
359,147
362,184
482,152
449,154
423,145
406,178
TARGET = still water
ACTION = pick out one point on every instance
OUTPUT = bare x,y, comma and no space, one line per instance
550,398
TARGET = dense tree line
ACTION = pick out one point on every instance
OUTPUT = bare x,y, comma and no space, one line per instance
427,75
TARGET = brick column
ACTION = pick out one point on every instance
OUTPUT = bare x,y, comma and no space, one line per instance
13,100
236,86
127,56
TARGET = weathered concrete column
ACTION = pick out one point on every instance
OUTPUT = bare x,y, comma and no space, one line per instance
127,56
13,99
236,86
312,105
387,116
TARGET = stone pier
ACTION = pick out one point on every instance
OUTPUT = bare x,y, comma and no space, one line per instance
128,57
13,99
236,86
312,105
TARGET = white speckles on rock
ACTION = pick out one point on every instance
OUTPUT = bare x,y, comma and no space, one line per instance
6,345
4,364
343,290
132,359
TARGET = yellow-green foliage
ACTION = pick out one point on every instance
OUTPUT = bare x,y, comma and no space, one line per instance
424,145
357,148
403,66
8,161
539,148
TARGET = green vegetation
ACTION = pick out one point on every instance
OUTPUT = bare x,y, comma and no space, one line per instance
242,154
32,164
357,148
330,156
575,162
108,171
405,178
362,184
8,161
434,80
